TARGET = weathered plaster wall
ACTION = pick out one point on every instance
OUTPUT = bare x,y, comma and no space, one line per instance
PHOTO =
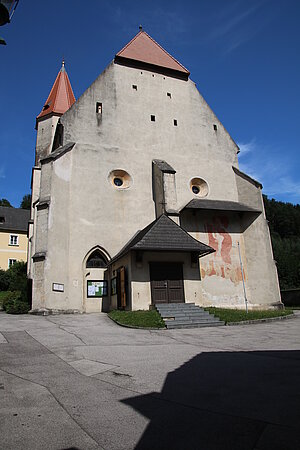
45,135
220,271
263,280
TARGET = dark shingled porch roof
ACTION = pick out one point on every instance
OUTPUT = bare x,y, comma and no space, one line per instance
219,205
163,234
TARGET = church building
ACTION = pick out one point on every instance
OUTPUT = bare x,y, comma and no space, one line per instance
137,196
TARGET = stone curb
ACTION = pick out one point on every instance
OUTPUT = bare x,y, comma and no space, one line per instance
266,320
230,324
132,326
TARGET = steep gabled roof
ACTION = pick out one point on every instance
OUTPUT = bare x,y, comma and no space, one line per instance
144,49
14,219
163,234
61,96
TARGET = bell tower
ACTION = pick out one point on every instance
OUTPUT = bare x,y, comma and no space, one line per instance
49,137
60,99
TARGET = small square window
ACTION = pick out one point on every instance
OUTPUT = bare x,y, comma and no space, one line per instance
175,122
215,127
152,118
13,239
134,86
11,262
99,108
169,94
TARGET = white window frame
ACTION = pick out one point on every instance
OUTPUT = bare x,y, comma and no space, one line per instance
14,239
11,262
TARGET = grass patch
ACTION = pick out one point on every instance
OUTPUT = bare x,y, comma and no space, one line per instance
145,319
238,315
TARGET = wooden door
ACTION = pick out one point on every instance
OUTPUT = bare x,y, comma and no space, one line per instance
166,283
121,288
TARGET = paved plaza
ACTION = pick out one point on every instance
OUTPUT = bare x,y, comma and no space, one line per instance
81,381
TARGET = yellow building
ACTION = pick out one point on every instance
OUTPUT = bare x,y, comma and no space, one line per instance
13,236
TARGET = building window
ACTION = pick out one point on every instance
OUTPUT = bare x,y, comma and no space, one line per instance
13,239
152,118
215,127
175,122
99,108
134,86
96,261
169,94
199,187
2,219
118,181
11,262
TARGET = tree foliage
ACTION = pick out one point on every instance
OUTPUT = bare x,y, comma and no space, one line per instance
284,224
5,202
26,202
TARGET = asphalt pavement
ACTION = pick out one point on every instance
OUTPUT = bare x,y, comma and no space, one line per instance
83,382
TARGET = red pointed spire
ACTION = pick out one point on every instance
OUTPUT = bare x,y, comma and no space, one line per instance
61,96
144,49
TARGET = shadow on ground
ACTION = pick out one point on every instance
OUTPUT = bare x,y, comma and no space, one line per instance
228,401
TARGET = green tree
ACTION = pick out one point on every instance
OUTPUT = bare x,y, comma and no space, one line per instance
284,224
4,202
26,202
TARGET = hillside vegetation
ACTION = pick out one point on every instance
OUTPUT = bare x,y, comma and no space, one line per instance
284,224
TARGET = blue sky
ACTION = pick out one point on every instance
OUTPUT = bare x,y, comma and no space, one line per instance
243,56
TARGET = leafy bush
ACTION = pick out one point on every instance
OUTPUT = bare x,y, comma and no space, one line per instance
14,303
17,274
17,298
4,280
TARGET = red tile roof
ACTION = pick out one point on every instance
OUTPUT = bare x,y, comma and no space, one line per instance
61,96
145,49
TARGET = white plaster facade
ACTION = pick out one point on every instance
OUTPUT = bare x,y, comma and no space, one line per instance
76,207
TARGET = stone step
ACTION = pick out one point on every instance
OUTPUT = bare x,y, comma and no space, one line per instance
175,305
183,311
175,325
190,319
186,315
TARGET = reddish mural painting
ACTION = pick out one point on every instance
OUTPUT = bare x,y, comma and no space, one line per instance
222,262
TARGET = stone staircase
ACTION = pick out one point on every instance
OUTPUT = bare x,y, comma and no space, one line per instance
186,315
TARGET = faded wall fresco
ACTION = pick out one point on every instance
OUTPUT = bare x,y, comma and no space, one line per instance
225,261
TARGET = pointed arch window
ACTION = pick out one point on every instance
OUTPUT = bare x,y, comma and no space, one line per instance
96,261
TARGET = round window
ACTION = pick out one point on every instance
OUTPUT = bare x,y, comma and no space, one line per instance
120,179
199,187
118,182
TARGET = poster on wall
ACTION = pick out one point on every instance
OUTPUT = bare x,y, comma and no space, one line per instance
96,288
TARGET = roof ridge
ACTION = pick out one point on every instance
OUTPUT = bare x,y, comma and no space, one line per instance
142,47
133,39
164,50
61,96
182,229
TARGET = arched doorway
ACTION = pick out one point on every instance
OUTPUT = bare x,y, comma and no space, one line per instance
95,284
